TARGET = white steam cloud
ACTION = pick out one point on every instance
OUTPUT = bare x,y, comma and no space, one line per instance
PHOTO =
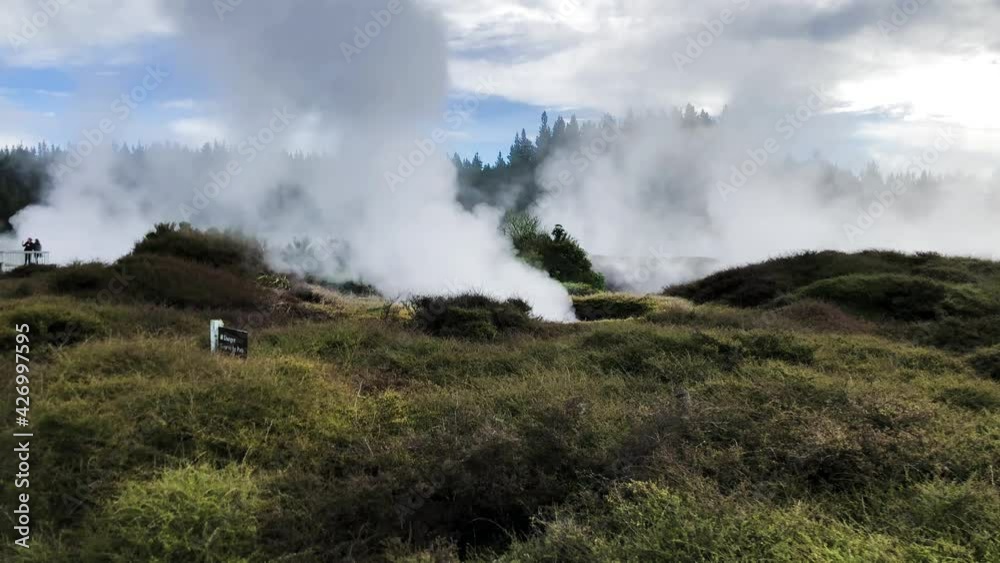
294,72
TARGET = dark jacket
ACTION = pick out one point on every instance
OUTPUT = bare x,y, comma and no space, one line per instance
36,246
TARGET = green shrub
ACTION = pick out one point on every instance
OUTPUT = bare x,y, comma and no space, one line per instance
777,346
274,281
604,306
355,288
971,397
894,296
181,283
643,521
22,290
945,273
959,334
986,362
79,277
221,250
559,254
670,355
194,513
947,521
472,316
580,289
816,316
49,324
28,271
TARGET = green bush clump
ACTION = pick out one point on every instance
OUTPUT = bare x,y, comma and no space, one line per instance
670,355
28,271
892,296
814,315
213,248
89,277
777,346
194,513
470,315
959,334
643,521
181,283
971,397
580,289
274,281
946,273
603,306
986,362
50,324
558,253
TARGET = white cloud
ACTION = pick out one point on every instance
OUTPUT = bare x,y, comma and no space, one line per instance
77,32
182,104
197,131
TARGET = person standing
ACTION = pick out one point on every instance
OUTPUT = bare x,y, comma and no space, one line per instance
37,247
28,246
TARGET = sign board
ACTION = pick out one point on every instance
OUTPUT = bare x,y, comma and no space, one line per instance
233,342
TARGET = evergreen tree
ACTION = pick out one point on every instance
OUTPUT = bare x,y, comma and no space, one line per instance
559,132
544,138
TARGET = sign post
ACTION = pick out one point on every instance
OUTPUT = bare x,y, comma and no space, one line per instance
213,333
234,342
228,340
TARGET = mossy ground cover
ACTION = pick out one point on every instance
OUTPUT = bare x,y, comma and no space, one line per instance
684,432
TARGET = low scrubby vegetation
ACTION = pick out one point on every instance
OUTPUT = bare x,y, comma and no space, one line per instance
462,428
227,250
603,306
946,302
473,316
557,253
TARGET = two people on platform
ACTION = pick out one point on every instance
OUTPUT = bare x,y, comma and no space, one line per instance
32,251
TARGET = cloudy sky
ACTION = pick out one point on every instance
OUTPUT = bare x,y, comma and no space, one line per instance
896,72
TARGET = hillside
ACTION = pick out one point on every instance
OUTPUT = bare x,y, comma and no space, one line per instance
812,408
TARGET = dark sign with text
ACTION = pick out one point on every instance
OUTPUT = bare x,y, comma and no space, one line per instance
233,342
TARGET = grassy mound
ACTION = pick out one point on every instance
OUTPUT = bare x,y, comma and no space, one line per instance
695,432
901,297
77,278
758,284
50,324
212,248
194,513
986,362
28,271
603,306
472,316
180,283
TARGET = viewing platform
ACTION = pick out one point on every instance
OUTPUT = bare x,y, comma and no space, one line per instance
10,259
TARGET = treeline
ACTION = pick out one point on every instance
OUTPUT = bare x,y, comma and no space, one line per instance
511,180
23,178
